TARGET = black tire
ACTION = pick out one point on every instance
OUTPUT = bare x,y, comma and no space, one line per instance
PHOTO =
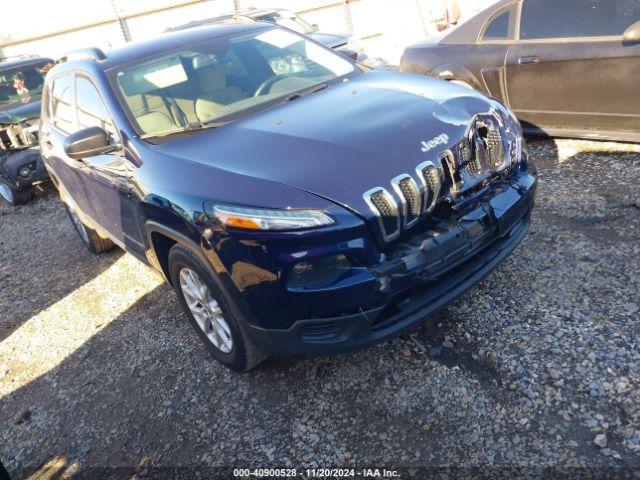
245,354
16,197
4,475
90,238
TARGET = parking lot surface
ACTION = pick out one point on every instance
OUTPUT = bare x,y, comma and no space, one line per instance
538,365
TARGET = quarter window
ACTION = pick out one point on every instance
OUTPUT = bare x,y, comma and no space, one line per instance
503,26
577,18
90,107
62,104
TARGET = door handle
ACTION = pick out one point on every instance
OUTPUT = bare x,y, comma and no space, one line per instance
528,60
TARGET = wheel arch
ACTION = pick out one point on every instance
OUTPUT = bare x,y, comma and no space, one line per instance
449,73
161,239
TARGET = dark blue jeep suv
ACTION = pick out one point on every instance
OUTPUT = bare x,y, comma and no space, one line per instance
298,203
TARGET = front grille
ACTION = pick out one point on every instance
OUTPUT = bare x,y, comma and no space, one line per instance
460,170
19,135
385,208
32,122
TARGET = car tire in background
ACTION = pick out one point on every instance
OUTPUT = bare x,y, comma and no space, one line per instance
94,242
15,197
211,313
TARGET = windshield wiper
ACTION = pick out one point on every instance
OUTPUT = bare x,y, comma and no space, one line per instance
189,127
302,93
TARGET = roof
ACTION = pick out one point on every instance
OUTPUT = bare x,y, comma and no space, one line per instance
230,18
251,14
259,12
12,63
134,51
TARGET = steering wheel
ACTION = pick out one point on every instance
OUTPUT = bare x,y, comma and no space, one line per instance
265,86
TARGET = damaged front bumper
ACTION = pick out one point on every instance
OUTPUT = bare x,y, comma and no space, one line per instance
420,275
16,136
22,169
20,162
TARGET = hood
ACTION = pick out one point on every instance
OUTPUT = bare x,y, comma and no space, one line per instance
16,111
331,40
342,141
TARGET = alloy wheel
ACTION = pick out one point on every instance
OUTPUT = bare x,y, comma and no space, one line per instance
206,310
6,193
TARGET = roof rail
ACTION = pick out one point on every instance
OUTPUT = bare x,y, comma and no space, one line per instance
93,53
22,56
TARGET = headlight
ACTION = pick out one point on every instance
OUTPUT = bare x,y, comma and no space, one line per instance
249,218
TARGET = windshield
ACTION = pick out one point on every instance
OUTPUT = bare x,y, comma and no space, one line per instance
225,79
22,84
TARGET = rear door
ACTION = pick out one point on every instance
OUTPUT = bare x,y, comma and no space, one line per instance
495,39
570,68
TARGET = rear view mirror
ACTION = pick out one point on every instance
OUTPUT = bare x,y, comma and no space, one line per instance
632,34
315,27
87,143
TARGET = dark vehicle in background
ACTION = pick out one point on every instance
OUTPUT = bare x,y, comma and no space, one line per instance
299,203
566,68
21,82
345,43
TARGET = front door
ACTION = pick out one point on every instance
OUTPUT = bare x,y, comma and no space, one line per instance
59,123
571,69
107,177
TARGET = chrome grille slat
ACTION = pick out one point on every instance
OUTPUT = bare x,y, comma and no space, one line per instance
431,179
495,148
384,206
410,198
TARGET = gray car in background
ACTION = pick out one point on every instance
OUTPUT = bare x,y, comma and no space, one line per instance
566,68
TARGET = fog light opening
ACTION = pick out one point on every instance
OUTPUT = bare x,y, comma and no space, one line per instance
319,273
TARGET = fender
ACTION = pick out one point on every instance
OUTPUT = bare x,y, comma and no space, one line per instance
210,261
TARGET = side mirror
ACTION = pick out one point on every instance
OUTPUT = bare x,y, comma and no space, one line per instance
87,143
632,34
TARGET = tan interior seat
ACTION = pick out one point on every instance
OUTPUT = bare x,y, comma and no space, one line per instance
214,93
155,122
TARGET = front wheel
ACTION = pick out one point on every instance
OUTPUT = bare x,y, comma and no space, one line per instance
94,242
211,313
15,197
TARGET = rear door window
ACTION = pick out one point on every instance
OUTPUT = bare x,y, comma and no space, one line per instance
62,104
502,26
548,19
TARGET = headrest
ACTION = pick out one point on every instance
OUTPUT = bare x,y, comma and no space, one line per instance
210,79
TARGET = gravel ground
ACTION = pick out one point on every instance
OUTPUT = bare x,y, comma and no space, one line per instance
537,366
